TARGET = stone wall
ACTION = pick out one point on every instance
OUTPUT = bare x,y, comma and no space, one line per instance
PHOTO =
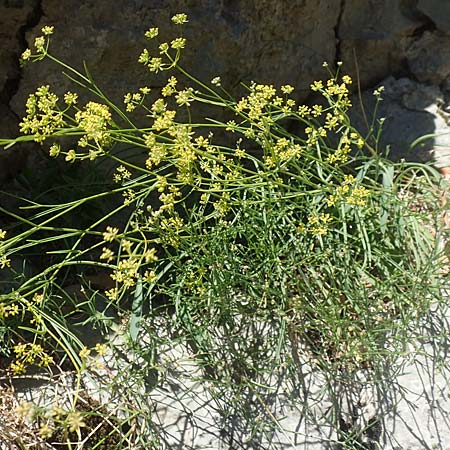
283,41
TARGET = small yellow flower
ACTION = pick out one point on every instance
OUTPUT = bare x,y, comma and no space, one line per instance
126,245
107,254
144,57
304,110
317,110
39,44
150,256
71,155
75,421
169,89
94,120
151,33
179,19
47,30
112,294
45,431
11,310
110,234
2,234
101,349
46,360
20,349
38,298
70,98
287,89
185,97
17,368
54,150
155,64
316,86
347,79
26,55
163,47
84,353
178,43
4,262
150,276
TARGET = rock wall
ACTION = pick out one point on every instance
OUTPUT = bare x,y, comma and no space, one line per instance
283,41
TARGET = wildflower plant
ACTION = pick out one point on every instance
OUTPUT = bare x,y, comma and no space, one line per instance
263,250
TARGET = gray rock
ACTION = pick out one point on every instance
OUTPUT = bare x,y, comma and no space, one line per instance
271,42
275,42
438,11
14,15
411,110
373,38
429,57
406,408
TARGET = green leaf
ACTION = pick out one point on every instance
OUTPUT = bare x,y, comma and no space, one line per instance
136,311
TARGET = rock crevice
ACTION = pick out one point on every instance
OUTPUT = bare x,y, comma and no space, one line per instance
24,15
337,33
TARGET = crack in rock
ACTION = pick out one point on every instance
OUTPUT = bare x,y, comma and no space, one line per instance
337,33
12,84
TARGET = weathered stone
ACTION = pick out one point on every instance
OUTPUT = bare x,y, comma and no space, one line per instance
407,407
273,42
373,38
429,57
411,110
277,42
438,11
14,15
13,159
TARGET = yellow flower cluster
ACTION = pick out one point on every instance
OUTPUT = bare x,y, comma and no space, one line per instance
314,135
127,272
132,259
151,33
168,199
179,19
107,254
40,44
28,354
170,88
155,64
43,115
94,120
8,310
4,260
259,98
349,192
163,118
171,228
110,234
344,148
122,174
100,349
222,206
185,97
318,224
132,100
283,150
178,43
